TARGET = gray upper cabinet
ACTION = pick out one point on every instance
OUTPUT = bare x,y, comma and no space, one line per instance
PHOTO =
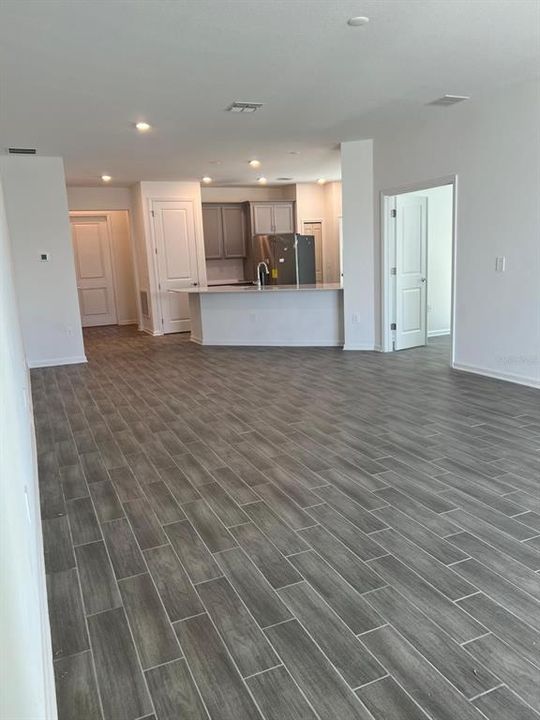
213,231
234,231
272,217
263,219
224,228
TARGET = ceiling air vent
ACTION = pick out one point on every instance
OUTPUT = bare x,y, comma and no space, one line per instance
284,179
22,151
243,107
449,100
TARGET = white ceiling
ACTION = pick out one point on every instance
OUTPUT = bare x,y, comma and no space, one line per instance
76,75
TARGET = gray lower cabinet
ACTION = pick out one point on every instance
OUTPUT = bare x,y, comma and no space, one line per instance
224,228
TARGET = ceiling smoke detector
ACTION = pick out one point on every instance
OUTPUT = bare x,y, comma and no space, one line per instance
243,107
449,100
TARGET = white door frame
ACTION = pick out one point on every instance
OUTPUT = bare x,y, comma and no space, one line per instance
303,221
154,274
387,225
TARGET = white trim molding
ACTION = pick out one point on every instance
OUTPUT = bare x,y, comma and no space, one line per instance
438,333
52,362
368,348
498,375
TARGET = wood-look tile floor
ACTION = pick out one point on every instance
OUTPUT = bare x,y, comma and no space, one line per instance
288,534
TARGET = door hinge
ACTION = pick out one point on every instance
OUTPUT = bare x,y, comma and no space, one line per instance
155,250
159,286
393,326
393,271
393,213
153,213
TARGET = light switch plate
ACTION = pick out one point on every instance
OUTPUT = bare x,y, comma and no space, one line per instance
500,264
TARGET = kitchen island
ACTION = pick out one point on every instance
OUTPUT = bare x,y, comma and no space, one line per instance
277,315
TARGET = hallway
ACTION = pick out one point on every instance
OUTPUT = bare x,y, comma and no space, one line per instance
288,534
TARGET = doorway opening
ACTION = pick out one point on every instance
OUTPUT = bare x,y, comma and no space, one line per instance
418,266
104,267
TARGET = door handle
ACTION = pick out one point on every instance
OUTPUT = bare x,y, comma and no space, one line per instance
194,284
422,279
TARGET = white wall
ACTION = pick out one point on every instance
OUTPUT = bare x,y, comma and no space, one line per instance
116,203
439,274
492,144
26,671
322,202
37,216
99,198
247,193
358,250
332,192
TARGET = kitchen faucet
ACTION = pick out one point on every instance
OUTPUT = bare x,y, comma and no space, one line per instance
261,279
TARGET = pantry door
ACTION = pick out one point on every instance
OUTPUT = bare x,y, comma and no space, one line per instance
176,255
93,267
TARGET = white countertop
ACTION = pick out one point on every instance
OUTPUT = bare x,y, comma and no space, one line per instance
254,289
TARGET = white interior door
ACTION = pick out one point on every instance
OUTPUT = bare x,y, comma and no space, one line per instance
93,266
411,271
174,226
315,229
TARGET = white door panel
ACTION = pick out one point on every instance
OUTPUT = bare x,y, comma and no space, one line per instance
174,226
411,269
93,268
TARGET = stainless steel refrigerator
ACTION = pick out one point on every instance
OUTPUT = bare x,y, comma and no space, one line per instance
290,258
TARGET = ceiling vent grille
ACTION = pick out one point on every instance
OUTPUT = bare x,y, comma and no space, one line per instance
244,107
22,151
446,100
284,179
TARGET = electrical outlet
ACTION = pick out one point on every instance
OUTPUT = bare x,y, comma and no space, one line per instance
500,264
69,330
355,319
44,257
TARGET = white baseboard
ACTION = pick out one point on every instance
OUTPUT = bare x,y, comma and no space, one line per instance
437,333
249,342
498,375
52,362
128,322
365,347
154,333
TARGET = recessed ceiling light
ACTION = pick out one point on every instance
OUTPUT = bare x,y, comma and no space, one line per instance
294,152
215,162
255,163
143,126
106,178
262,180
321,181
358,21
207,180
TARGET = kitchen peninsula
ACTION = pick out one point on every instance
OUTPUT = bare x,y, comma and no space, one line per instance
277,315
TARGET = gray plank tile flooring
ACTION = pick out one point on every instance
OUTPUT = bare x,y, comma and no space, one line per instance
288,534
